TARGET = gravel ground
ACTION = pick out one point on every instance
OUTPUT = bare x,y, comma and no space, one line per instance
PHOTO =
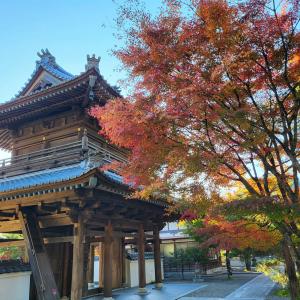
219,286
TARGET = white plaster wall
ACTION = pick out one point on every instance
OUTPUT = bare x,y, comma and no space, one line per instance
236,262
132,272
15,286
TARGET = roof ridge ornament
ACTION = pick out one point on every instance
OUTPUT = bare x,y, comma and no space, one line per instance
92,62
45,58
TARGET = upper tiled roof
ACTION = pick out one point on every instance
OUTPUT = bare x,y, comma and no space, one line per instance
48,63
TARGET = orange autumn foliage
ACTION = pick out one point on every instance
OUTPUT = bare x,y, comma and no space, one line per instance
215,93
216,97
241,234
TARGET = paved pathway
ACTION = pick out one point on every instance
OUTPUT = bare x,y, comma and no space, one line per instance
170,291
256,289
242,287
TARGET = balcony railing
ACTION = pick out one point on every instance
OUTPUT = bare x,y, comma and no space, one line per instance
56,156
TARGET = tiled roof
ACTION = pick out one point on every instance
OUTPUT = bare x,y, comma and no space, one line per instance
43,177
55,69
48,63
13,266
113,176
54,175
135,255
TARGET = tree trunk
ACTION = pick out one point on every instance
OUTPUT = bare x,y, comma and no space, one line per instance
248,263
291,272
228,265
247,257
295,253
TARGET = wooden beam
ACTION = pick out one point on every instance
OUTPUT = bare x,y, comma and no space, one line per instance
10,226
33,200
59,239
12,243
39,261
99,220
50,240
44,222
55,220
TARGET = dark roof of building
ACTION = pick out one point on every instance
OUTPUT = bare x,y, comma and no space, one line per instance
13,266
48,63
135,255
48,176
51,176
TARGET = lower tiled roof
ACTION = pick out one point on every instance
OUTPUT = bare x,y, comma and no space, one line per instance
54,175
44,177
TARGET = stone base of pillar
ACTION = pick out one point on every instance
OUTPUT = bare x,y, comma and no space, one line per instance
142,291
158,285
108,298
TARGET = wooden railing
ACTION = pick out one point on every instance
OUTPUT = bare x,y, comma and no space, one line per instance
56,156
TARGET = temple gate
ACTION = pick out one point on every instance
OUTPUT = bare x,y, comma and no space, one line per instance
53,191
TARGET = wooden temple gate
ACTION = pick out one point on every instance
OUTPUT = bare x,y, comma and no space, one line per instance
53,191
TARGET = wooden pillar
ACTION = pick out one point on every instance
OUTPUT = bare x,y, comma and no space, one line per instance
141,260
101,269
66,273
86,250
91,264
123,259
157,258
107,262
78,260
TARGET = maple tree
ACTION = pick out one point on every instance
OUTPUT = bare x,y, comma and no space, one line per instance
216,96
239,234
228,224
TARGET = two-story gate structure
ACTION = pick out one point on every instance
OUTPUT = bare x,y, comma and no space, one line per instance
53,191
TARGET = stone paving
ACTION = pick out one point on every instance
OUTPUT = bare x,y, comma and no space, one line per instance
256,288
218,287
243,286
170,291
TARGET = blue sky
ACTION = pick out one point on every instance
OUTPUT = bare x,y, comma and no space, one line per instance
70,29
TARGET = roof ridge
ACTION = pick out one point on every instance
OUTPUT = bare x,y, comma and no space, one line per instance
47,62
40,172
42,91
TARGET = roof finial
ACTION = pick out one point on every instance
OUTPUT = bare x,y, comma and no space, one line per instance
45,57
92,62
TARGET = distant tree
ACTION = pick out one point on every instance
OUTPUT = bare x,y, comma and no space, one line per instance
14,252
